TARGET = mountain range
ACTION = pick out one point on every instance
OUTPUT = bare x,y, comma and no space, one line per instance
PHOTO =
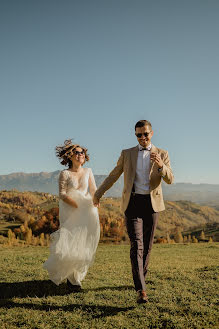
206,194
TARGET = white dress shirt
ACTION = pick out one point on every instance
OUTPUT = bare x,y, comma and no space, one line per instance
141,182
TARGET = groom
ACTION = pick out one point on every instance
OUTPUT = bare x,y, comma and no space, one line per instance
143,166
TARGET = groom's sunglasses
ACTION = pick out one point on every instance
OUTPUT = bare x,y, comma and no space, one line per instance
78,152
145,134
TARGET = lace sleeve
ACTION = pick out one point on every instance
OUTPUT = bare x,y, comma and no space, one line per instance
92,184
62,184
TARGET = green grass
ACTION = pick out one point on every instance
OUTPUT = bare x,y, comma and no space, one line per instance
181,286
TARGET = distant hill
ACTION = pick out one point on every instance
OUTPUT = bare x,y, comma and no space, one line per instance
47,182
206,194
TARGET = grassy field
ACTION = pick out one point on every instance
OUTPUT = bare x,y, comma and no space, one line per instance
181,286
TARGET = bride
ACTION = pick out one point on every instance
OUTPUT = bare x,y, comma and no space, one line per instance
73,246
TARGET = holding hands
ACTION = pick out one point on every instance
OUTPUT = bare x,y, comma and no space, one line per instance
96,201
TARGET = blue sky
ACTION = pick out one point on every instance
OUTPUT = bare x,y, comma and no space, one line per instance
90,69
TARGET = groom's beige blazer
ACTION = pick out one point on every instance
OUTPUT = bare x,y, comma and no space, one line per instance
127,165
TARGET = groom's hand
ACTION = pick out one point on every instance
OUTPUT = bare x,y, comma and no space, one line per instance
157,159
96,201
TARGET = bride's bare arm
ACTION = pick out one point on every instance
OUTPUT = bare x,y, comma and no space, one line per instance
92,184
63,189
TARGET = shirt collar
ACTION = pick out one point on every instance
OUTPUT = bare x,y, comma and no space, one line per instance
141,147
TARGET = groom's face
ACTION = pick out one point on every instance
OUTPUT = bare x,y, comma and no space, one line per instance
144,135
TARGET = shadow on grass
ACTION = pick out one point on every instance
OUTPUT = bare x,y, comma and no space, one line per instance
43,288
94,311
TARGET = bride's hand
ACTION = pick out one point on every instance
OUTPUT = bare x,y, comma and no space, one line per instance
74,204
70,201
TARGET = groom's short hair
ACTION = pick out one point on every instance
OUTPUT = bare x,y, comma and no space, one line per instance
142,123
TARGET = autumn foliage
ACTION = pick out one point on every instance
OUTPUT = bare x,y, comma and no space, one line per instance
32,216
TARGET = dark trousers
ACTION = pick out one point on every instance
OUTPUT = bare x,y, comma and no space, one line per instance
141,221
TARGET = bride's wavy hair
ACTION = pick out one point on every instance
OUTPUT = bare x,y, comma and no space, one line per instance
64,152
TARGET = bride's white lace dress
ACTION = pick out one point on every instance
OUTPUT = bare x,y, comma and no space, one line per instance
73,246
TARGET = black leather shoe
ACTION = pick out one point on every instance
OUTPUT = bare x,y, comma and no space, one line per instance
73,287
142,297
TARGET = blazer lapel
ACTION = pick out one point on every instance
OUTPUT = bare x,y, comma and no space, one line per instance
134,156
153,150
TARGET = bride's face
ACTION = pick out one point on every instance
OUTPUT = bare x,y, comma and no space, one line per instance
78,156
